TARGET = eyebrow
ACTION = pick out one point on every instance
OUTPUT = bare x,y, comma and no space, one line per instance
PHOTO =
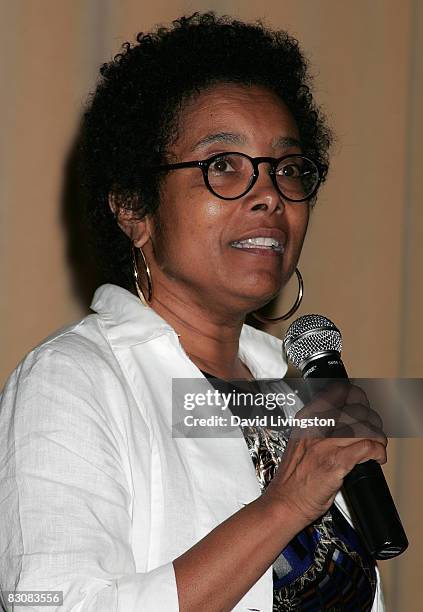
225,137
285,142
231,138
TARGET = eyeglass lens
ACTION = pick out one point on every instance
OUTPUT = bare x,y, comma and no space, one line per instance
230,175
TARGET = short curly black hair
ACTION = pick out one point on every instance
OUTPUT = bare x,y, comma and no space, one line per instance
132,116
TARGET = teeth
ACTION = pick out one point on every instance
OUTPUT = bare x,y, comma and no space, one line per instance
259,241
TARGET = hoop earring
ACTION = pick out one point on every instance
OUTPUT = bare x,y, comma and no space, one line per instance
140,292
291,310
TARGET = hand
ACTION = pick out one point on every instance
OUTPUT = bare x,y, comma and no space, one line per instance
317,459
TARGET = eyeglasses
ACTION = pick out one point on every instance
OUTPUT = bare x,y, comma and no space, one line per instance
231,175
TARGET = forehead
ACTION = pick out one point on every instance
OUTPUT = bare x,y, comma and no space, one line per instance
253,112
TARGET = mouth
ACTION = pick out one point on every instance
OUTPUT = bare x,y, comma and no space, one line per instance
260,244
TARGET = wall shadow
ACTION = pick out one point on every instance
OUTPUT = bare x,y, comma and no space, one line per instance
80,252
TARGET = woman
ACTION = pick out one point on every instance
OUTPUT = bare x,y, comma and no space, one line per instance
203,153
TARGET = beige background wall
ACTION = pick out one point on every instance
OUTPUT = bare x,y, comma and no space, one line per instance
362,261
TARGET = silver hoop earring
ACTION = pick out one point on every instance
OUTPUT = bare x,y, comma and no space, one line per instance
291,311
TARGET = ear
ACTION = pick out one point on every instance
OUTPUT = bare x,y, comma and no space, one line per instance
138,230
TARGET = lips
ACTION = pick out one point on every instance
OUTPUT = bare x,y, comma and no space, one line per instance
262,240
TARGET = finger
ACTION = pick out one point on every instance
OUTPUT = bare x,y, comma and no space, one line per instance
332,397
356,395
359,412
350,415
310,432
361,451
360,431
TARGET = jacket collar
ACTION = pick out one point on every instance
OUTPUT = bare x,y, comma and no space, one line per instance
127,322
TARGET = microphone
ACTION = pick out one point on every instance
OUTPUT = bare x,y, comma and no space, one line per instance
313,344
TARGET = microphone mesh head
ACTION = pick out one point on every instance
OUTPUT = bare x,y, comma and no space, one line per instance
310,335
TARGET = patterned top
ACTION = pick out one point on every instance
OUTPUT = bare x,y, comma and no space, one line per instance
326,566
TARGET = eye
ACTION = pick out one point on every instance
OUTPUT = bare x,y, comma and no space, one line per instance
223,165
290,170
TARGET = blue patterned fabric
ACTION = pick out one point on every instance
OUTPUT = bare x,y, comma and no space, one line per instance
325,567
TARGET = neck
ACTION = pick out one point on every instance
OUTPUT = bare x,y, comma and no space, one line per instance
210,338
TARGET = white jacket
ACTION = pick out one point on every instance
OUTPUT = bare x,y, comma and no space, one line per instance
96,496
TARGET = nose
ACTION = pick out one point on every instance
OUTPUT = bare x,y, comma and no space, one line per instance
263,195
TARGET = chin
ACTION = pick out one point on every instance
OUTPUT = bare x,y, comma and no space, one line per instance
259,297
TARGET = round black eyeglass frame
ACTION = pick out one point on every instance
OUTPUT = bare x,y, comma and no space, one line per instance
204,164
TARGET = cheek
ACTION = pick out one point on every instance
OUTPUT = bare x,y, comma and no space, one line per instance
213,211
188,232
204,224
186,205
299,223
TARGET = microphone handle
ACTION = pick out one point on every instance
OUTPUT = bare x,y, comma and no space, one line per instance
365,488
